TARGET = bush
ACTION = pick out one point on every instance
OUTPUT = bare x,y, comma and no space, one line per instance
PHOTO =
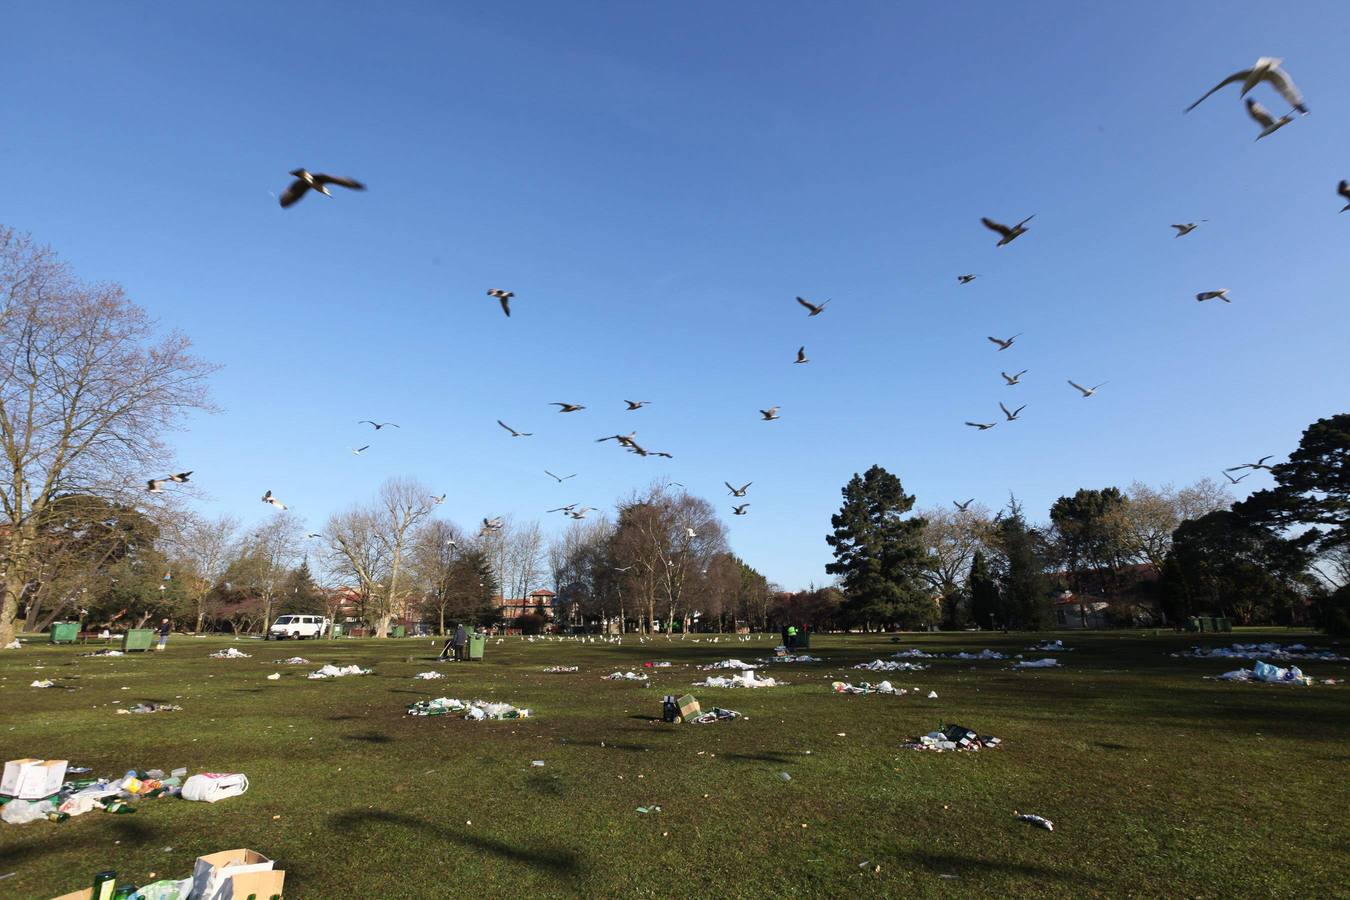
1334,612
532,623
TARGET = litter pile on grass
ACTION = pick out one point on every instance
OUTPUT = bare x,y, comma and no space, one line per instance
478,710
332,671
150,708
728,664
1258,651
1050,647
1048,663
883,665
885,687
956,738
1265,672
558,670
626,676
231,653
746,679
716,714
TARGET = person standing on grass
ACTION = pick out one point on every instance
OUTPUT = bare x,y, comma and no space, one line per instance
164,630
461,640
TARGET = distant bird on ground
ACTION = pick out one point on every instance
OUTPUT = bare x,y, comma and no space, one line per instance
1183,230
740,510
1261,116
738,491
1344,190
357,451
515,433
557,478
1012,416
268,498
769,414
504,298
1087,392
963,506
801,356
1008,234
983,426
1013,379
438,500
567,407
378,425
966,279
564,509
306,181
1232,480
815,310
636,404
1259,464
155,485
1267,68
1005,344
1221,294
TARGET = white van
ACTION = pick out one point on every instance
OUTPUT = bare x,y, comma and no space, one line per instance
298,627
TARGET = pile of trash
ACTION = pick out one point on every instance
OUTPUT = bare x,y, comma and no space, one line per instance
477,710
231,653
728,664
915,653
14,645
1038,821
43,683
1269,674
885,687
792,658
983,654
1257,651
149,708
332,671
716,714
559,670
38,789
293,661
626,676
882,665
656,664
103,652
1050,647
1048,663
428,676
955,738
746,679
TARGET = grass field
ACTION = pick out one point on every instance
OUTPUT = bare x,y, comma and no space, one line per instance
1159,783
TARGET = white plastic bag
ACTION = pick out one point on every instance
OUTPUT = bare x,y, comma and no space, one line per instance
21,812
213,786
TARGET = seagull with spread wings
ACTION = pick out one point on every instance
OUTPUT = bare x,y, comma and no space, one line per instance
437,500
1012,416
567,407
1013,379
1261,116
515,433
1259,464
983,426
378,425
636,404
268,498
1220,294
963,506
1232,480
1087,392
801,356
580,513
306,181
1344,190
738,491
563,509
357,451
966,279
1268,69
769,414
740,510
1183,230
625,440
814,309
559,478
1005,344
504,298
1008,235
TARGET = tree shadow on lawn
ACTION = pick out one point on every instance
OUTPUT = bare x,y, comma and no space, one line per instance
951,864
370,737
124,829
557,861
609,745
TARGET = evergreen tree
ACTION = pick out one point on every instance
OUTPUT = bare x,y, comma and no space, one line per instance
1312,488
1024,588
880,555
983,591
299,594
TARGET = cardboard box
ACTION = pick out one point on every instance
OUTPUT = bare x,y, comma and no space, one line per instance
14,769
689,706
85,894
234,874
33,779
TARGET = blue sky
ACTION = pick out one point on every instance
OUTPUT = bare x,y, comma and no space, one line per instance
656,182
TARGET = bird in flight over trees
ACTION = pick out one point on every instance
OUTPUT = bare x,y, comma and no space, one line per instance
1008,235
1005,344
1232,480
740,510
438,500
963,506
814,309
1013,379
378,425
1087,392
1259,464
268,498
559,478
738,491
306,181
514,433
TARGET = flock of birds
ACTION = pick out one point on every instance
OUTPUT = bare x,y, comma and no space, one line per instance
1266,70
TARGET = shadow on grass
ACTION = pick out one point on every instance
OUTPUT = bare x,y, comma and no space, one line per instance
772,756
124,829
1106,745
370,737
556,861
611,745
949,863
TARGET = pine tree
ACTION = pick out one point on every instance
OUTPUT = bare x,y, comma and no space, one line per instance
983,591
1025,589
880,555
299,594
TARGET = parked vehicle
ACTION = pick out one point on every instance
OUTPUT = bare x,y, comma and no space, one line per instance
298,627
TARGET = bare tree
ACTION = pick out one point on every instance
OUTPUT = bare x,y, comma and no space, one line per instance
265,559
201,550
403,504
583,574
355,553
86,390
437,547
950,538
524,559
1150,515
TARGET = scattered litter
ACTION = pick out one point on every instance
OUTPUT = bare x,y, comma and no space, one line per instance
648,809
13,645
1256,651
983,654
783,776
626,676
656,664
728,664
293,661
150,708
914,653
477,710
1269,674
953,737
275,676
209,787
790,658
932,695
537,763
885,687
44,683
716,714
231,653
1050,647
746,679
1038,821
332,671
1048,663
104,652
560,670
882,665
428,676
21,812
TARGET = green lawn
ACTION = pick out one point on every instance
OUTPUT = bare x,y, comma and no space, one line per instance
1159,783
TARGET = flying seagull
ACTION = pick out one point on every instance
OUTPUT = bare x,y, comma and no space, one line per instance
559,479
564,509
738,491
963,506
1087,392
1344,190
769,414
815,310
1012,416
357,451
180,477
313,534
983,426
1267,68
1269,124
1232,480
1013,379
966,279
504,298
1221,294
1183,230
580,513
635,404
625,440
1005,344
1259,464
306,181
377,425
492,524
438,500
155,485
740,510
515,433
801,356
1008,234
268,498
567,407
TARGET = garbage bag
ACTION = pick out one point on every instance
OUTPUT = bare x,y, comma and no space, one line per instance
212,786
21,812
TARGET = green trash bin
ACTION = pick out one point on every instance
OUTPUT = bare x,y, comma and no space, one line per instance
803,639
65,632
138,639
337,630
476,644
1222,624
399,631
